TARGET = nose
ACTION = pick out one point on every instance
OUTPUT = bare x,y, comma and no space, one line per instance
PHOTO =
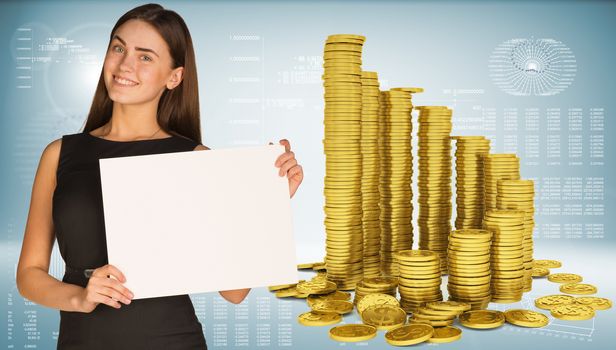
127,64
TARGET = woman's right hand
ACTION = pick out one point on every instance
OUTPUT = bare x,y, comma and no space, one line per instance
103,289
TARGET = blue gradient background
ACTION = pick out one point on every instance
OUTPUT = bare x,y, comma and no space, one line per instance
441,46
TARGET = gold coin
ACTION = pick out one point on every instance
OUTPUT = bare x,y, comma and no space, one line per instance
338,306
578,288
445,334
313,318
352,332
337,295
595,302
565,278
409,334
376,299
416,255
307,265
573,312
526,318
384,316
287,292
551,301
316,287
281,286
482,319
550,264
540,271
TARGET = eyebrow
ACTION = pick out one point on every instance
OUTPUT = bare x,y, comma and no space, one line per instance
115,36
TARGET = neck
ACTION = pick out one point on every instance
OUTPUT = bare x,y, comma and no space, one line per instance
132,121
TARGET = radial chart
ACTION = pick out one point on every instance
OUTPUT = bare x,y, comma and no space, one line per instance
532,67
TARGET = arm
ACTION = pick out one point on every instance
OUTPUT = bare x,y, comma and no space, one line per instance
235,296
33,280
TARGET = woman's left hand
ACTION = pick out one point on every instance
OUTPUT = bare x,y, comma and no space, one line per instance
288,166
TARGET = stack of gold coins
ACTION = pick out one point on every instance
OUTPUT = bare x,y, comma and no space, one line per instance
520,195
470,186
434,180
370,173
507,254
420,278
343,167
498,166
395,176
376,285
469,267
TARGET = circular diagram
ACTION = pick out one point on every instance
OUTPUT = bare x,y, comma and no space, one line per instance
539,67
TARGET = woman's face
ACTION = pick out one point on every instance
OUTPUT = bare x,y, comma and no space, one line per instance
138,65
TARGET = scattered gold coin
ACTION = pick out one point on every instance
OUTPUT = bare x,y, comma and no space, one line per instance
540,271
526,318
578,288
409,334
565,278
446,334
594,302
314,318
550,264
482,319
352,332
573,312
551,301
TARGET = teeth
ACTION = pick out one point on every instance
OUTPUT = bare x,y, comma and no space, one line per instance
124,81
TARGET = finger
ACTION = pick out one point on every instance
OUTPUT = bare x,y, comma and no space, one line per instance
284,157
108,282
102,299
110,292
287,165
294,171
286,144
110,270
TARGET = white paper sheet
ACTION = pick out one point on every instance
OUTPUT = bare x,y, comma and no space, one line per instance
199,221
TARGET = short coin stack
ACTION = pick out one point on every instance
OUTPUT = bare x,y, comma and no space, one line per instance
343,167
420,278
520,195
395,176
434,180
370,173
470,186
469,267
376,285
507,256
498,166
440,313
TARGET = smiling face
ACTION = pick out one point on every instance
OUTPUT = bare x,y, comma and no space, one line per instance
138,65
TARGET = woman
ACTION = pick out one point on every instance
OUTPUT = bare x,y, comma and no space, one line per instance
146,102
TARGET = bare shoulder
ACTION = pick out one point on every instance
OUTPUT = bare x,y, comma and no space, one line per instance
50,158
201,148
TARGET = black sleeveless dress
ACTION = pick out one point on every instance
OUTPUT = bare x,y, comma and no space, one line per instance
153,323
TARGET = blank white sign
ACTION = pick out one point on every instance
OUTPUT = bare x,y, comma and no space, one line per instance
199,221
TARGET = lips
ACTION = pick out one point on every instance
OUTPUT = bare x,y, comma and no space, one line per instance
124,81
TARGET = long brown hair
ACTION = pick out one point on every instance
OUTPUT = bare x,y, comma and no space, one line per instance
178,109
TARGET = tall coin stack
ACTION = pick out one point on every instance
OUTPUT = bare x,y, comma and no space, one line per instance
343,167
507,254
370,173
468,262
470,185
498,166
520,195
395,176
435,180
420,278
